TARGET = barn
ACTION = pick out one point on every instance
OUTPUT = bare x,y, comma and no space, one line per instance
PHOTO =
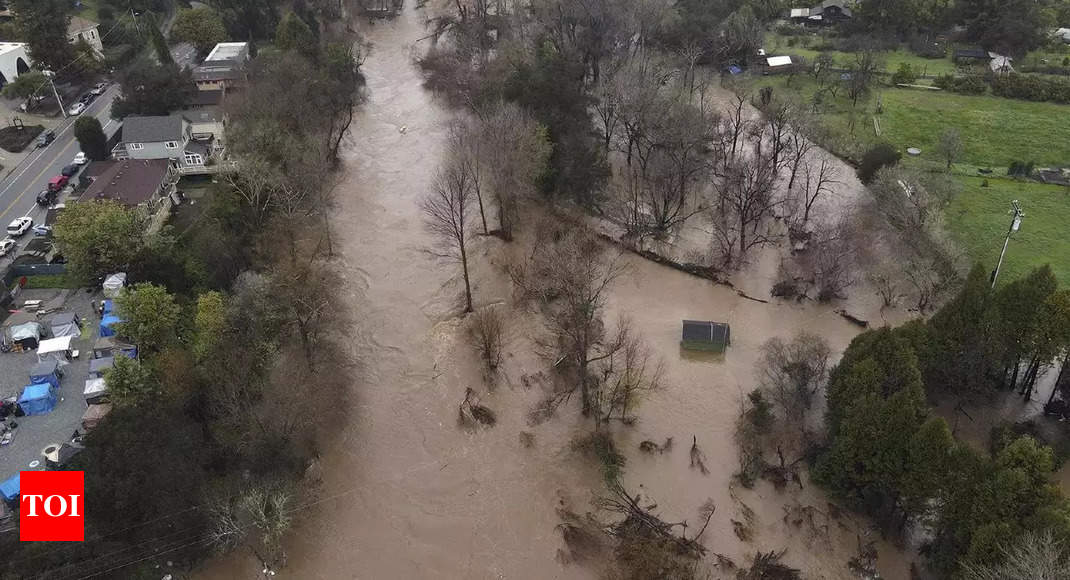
706,335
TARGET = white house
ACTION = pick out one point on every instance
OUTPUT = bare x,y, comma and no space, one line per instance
82,29
13,61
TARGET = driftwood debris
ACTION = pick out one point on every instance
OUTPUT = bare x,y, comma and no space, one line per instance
470,412
698,458
852,318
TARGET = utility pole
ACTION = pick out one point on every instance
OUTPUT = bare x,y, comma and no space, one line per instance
50,76
136,25
1016,222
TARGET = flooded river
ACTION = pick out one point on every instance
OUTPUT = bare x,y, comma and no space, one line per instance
409,494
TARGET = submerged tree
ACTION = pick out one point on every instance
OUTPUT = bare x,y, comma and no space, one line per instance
446,216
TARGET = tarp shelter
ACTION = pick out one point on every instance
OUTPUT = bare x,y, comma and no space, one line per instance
57,349
94,415
45,372
114,284
10,487
38,399
65,324
705,335
95,390
97,366
778,61
58,456
27,334
106,324
106,307
109,346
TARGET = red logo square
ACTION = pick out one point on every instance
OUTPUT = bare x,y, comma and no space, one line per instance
52,506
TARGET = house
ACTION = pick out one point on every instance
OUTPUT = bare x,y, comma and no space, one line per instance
82,29
207,118
13,61
827,13
164,137
142,183
223,67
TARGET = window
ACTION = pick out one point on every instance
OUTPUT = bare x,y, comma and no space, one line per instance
135,146
171,144
194,159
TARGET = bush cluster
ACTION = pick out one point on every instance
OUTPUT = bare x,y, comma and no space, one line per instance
966,85
1032,88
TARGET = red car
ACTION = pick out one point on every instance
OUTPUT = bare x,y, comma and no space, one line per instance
57,182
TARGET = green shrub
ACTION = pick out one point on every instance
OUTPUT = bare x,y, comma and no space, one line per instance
1032,88
905,75
1020,169
877,157
966,85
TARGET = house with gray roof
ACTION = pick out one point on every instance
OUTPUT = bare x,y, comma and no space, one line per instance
165,137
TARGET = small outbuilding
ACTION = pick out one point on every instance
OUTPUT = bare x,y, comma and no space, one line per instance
705,335
65,324
38,399
45,372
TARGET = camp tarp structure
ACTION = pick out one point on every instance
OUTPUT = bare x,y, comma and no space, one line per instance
114,284
109,346
10,487
37,399
95,390
706,335
106,324
56,349
45,372
59,456
94,415
97,366
27,334
106,307
65,324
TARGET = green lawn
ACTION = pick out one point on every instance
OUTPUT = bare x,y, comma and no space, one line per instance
51,281
979,216
776,44
995,131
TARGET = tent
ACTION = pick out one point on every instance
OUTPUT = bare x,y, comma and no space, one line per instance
97,366
114,284
56,456
109,346
94,415
65,324
28,334
45,372
106,307
57,349
95,390
10,487
38,399
106,324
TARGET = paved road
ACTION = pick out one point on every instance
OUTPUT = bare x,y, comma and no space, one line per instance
18,191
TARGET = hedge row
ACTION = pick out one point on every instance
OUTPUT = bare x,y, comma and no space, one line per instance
1032,88
967,85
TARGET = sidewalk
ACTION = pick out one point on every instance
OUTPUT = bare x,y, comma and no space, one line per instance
9,109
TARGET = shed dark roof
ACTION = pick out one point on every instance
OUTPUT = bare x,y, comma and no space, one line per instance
704,330
199,147
152,129
207,114
206,98
129,182
971,53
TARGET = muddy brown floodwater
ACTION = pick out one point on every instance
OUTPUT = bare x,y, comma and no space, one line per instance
408,494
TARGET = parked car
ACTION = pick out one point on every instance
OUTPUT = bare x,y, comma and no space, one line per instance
69,170
6,245
42,230
76,109
57,182
45,138
46,197
87,98
99,88
18,226
80,159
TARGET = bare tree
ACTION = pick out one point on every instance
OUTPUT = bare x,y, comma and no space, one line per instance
949,146
818,180
831,258
862,73
799,147
446,217
793,372
626,375
1037,556
745,200
467,147
514,153
736,126
487,332
778,117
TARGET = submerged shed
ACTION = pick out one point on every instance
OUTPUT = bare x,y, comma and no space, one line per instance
705,335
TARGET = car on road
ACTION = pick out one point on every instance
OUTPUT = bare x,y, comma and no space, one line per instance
76,109
57,182
87,98
80,159
69,170
46,197
6,245
19,226
42,230
45,138
99,88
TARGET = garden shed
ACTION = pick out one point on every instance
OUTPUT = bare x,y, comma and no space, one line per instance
706,335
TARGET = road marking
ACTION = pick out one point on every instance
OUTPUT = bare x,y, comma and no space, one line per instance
35,178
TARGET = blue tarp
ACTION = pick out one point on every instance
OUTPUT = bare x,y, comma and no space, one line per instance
37,399
45,372
10,487
106,325
107,307
734,70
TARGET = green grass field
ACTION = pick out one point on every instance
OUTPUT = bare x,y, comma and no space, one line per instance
979,217
776,44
